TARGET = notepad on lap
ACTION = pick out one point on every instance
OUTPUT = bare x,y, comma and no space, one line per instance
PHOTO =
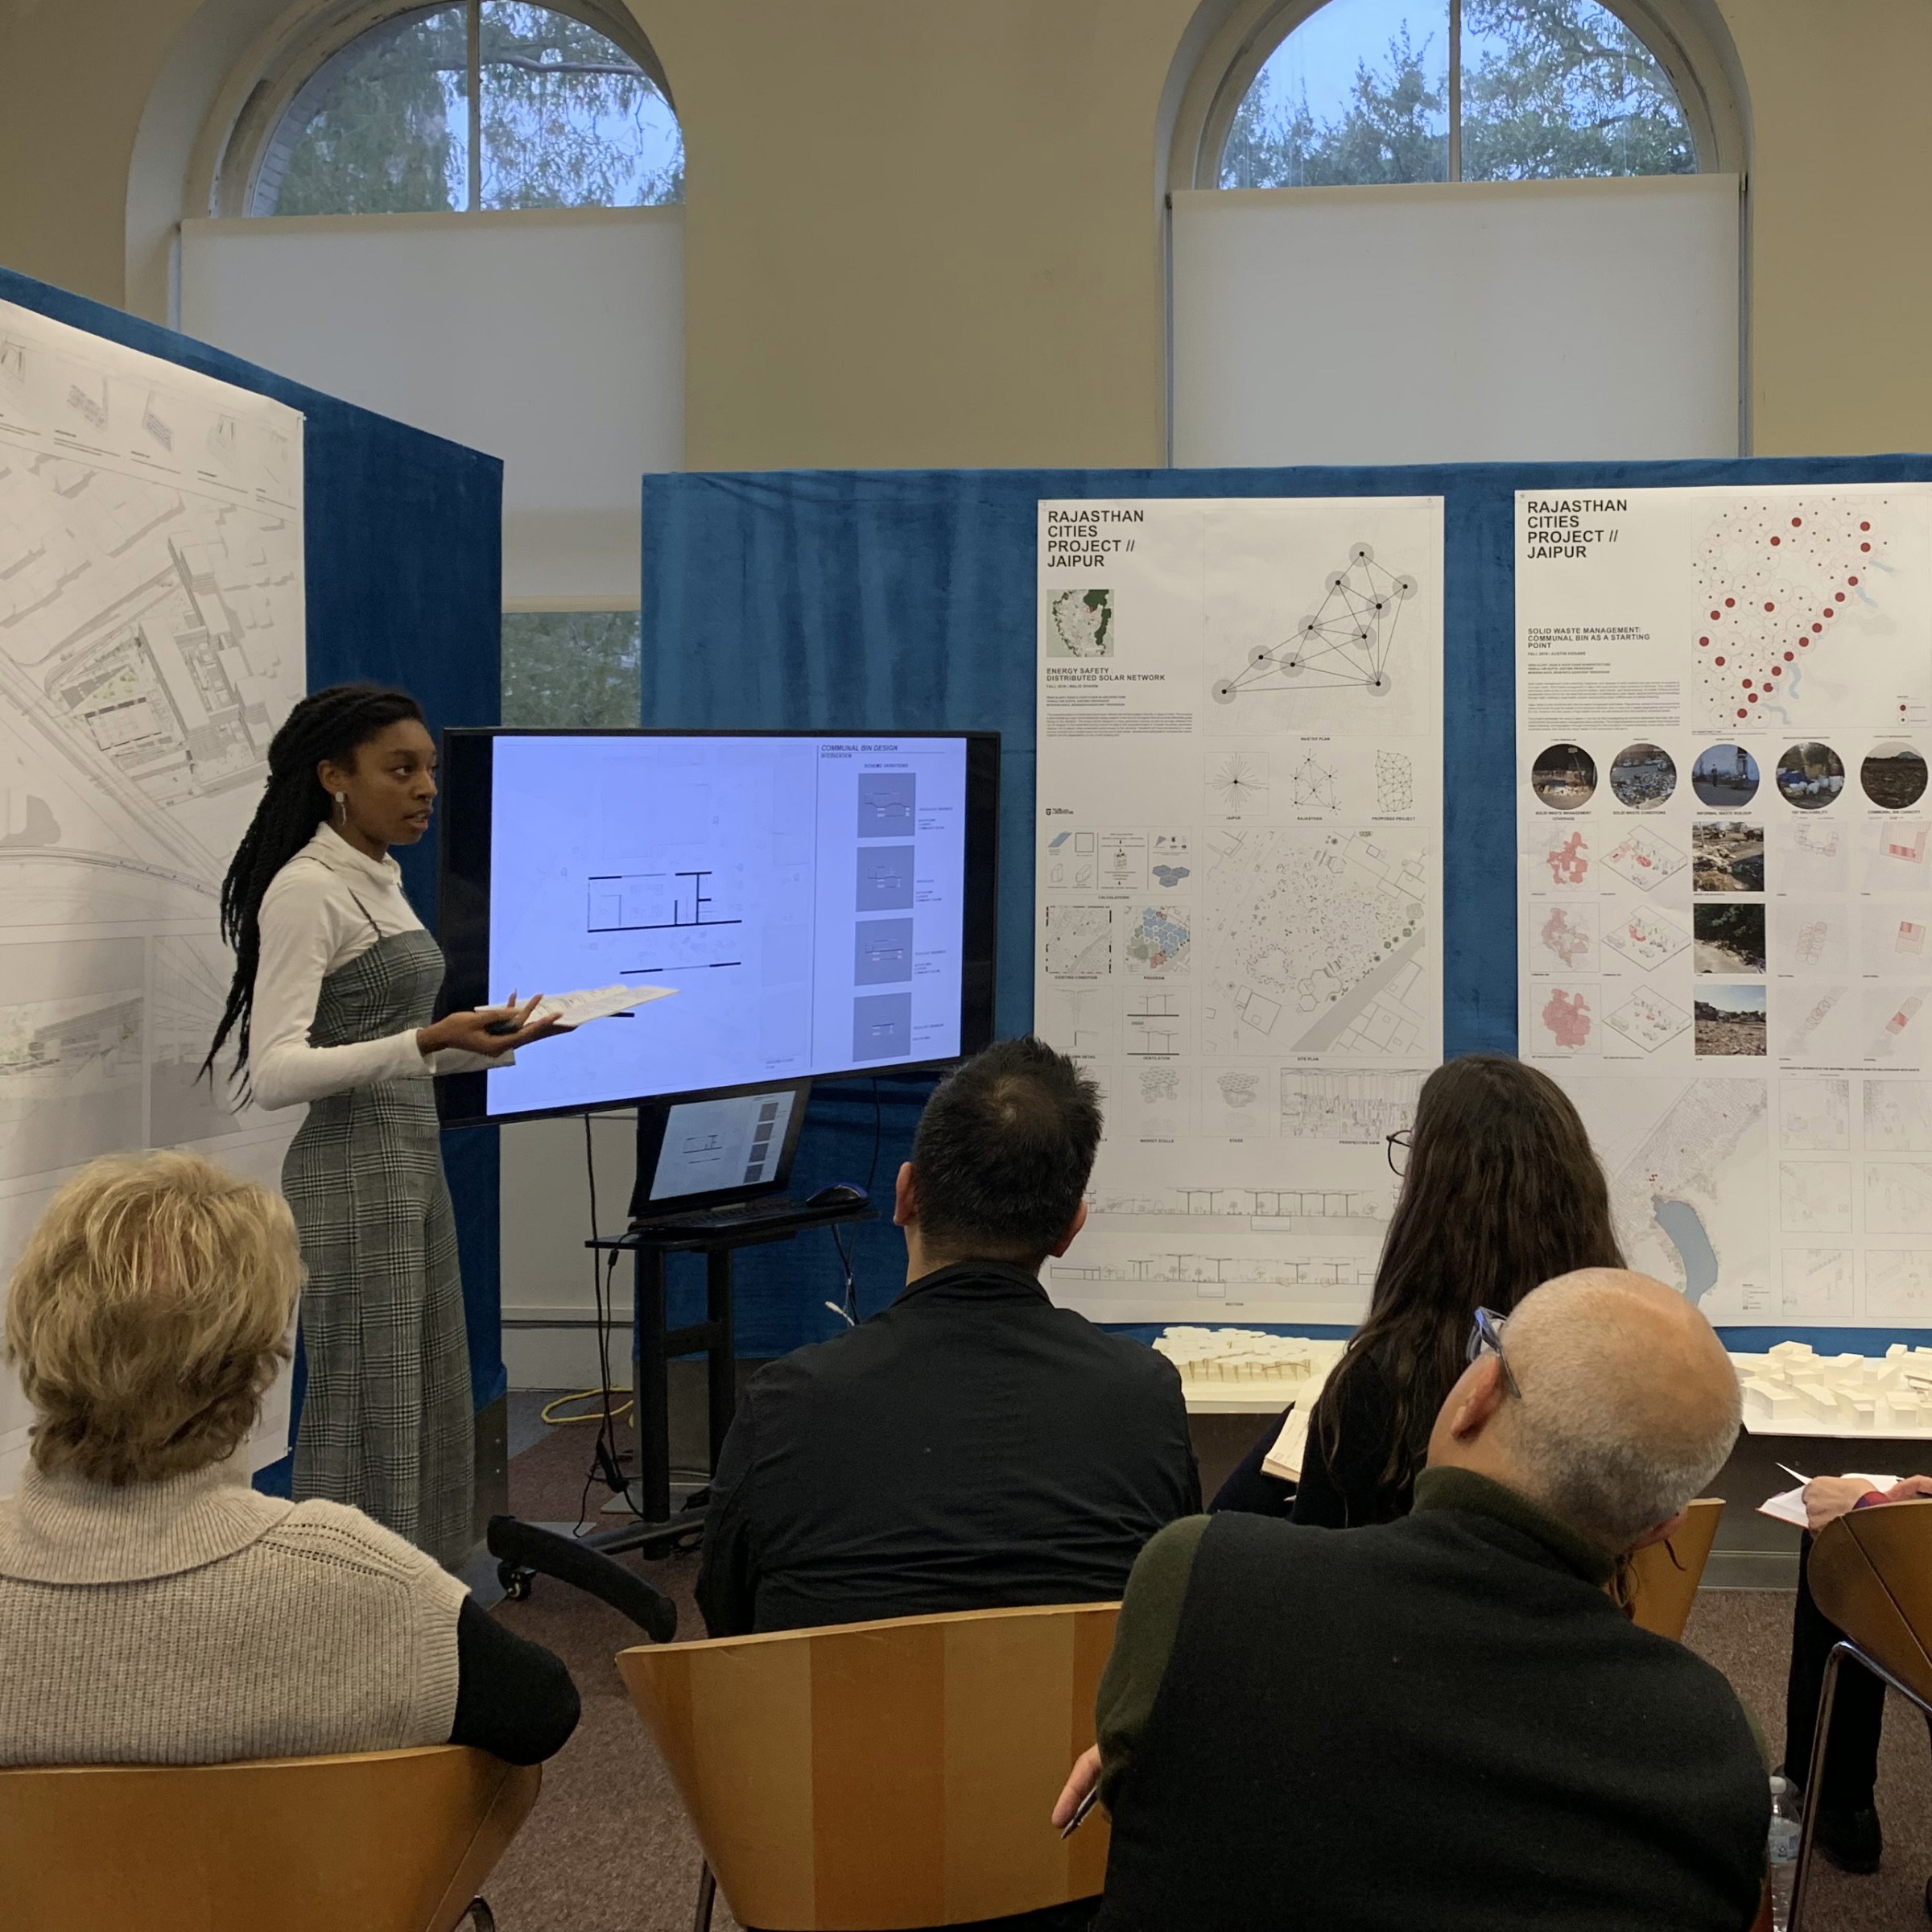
1788,1505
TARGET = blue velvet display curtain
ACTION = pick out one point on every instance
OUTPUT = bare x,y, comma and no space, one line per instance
904,600
402,538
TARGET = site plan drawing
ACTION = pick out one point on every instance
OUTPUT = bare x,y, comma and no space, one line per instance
151,613
1723,722
1239,887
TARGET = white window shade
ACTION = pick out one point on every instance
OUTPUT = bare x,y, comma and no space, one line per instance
552,339
1478,322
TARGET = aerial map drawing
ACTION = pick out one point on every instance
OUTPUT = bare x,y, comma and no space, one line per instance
151,610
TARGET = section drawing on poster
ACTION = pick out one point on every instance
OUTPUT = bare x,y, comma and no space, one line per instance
1082,1021
151,616
1158,1023
1348,1107
1256,772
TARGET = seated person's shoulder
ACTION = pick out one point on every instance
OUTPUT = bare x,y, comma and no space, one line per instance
1126,1355
336,1539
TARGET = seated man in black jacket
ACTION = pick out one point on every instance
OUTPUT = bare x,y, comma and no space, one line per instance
1445,1721
972,1446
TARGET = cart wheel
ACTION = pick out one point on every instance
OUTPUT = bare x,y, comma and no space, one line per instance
516,1581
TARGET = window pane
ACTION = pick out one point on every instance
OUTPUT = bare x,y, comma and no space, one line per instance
571,668
569,119
382,129
1563,87
1358,93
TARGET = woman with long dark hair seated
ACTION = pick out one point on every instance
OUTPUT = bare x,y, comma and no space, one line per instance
1500,1192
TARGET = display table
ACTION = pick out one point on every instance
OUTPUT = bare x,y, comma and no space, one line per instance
1795,1402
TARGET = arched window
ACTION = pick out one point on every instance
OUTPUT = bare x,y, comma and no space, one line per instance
487,104
1369,91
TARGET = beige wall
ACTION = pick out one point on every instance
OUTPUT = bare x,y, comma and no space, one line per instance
925,232
1841,223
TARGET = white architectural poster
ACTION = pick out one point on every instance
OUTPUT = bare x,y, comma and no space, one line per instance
1239,887
1724,707
151,641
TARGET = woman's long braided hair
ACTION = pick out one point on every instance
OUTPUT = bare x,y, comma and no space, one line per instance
331,725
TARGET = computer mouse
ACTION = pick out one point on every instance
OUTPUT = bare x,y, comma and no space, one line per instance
838,1194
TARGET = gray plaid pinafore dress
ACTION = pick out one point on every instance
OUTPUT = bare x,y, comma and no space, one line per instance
385,1422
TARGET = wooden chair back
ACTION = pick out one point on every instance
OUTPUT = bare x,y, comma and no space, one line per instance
1664,1579
383,1841
883,1774
1871,1572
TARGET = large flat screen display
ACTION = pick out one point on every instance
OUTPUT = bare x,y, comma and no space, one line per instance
818,905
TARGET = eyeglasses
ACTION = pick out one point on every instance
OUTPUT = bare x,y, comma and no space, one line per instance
1486,1338
1398,1151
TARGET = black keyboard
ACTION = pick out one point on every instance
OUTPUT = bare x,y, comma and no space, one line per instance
771,1206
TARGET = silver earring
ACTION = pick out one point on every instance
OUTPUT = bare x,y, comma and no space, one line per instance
342,807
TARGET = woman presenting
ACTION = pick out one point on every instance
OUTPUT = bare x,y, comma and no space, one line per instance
335,984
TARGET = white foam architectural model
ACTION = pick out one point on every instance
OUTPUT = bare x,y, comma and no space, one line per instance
1792,1388
1229,1360
1246,1355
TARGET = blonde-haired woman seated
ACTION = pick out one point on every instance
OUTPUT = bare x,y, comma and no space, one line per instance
154,1609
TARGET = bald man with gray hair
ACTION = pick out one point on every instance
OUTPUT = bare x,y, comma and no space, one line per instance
1446,1720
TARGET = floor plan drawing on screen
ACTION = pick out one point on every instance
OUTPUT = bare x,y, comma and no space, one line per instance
804,897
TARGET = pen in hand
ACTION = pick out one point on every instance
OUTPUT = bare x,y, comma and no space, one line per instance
1081,1811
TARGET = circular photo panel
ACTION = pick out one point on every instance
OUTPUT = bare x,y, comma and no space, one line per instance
1893,776
1810,776
1643,775
1724,775
1564,776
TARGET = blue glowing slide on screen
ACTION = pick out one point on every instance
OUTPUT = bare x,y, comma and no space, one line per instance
804,897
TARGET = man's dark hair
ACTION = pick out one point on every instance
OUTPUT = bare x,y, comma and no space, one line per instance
1003,1152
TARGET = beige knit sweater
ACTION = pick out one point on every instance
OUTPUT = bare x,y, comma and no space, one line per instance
193,1621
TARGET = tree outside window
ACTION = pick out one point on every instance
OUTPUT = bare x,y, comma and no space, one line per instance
1385,91
491,103
571,669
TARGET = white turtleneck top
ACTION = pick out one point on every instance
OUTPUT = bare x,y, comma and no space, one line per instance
328,905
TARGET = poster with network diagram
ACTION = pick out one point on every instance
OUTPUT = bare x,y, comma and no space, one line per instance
151,616
1724,710
1239,887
